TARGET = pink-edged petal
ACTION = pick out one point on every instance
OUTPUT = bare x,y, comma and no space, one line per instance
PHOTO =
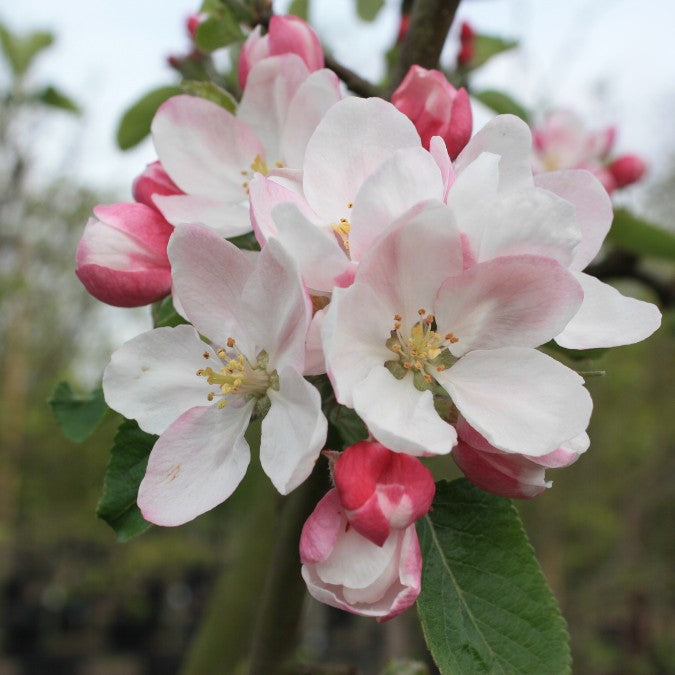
353,137
293,431
354,333
320,257
408,177
472,197
566,454
266,193
278,309
228,219
314,97
195,465
519,399
518,301
152,377
209,275
270,88
203,147
423,248
593,208
510,138
401,417
321,529
607,318
504,474
439,151
315,363
410,575
531,221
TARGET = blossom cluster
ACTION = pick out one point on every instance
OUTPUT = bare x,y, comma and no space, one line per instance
415,268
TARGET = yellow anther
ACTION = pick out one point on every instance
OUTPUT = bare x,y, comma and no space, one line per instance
230,342
421,311
206,355
259,166
279,165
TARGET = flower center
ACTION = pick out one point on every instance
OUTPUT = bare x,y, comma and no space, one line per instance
423,353
341,229
237,376
258,165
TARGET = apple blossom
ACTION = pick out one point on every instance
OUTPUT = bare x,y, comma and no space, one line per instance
286,35
563,142
510,474
417,337
212,155
345,570
380,490
153,181
200,396
435,107
121,258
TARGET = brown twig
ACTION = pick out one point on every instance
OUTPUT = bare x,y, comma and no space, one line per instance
353,81
430,21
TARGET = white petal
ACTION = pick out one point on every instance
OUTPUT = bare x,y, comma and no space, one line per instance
278,310
401,417
354,333
354,136
410,176
593,208
322,261
195,465
270,87
203,147
519,399
152,378
607,318
510,138
312,100
228,219
293,432
209,275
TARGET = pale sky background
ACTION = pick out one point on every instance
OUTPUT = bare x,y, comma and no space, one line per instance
611,60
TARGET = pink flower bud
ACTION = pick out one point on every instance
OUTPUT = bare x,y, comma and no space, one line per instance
435,107
345,570
509,474
627,169
465,54
121,257
381,490
467,33
286,35
153,181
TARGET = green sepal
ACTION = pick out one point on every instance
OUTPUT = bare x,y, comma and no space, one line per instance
211,92
395,367
165,314
246,242
220,29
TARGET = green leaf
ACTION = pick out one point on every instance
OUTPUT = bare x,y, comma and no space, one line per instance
299,8
53,97
135,123
487,46
640,236
485,606
501,103
220,29
246,242
211,92
165,314
78,416
128,460
20,51
369,9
